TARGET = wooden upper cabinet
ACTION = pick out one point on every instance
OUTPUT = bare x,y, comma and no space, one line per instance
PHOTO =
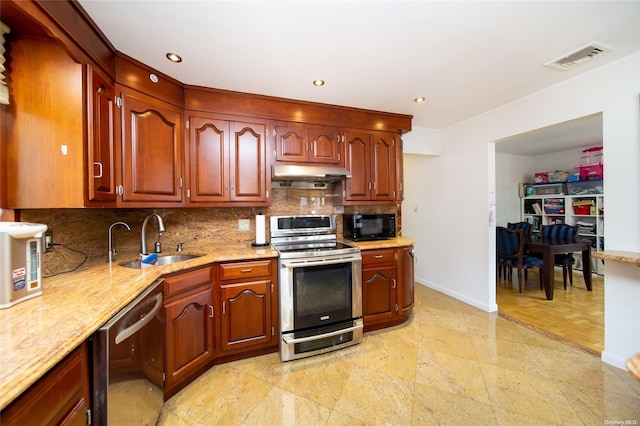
371,159
399,170
357,161
152,150
45,156
100,137
227,162
383,167
248,149
292,144
306,144
208,160
324,146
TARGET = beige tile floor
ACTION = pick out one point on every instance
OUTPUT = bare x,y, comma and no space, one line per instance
449,364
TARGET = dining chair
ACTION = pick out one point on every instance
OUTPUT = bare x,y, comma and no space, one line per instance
527,230
562,232
510,253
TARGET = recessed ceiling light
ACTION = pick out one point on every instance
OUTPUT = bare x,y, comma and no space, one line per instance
420,99
174,57
318,82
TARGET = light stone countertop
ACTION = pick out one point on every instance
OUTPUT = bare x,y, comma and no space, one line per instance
619,256
38,333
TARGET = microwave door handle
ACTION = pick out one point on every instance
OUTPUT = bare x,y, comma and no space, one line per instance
133,329
288,340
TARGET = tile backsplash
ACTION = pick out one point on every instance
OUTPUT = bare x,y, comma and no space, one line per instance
84,231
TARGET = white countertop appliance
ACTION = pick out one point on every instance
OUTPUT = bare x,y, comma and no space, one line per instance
20,261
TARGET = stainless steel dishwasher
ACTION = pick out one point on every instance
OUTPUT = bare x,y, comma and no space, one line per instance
128,363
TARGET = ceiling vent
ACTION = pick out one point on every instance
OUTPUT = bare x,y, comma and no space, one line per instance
579,56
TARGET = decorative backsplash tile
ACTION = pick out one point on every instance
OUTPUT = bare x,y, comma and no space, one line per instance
85,230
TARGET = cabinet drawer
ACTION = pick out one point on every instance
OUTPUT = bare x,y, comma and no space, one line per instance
62,395
186,281
233,271
378,256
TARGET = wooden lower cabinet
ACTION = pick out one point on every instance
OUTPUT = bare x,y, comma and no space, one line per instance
406,278
189,320
387,286
248,306
61,397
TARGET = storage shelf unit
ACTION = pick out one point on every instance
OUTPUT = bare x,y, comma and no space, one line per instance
542,210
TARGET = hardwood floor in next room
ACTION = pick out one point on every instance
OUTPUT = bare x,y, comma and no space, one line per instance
575,314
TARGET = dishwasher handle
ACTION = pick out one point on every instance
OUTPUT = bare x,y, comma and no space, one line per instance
134,328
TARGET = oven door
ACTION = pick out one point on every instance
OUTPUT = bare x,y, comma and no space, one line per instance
320,304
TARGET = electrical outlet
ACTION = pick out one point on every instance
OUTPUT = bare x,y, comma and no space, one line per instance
48,241
244,225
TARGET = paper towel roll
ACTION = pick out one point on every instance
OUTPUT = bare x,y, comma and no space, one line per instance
260,239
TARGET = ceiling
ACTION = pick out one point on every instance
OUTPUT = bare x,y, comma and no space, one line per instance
579,133
465,58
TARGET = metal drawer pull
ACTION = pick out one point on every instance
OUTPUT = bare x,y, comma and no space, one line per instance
246,270
288,340
378,256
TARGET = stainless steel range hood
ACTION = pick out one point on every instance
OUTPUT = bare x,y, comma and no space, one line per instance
307,177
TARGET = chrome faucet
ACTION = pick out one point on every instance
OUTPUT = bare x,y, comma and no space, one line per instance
143,240
112,250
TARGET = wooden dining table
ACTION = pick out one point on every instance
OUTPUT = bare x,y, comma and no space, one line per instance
549,247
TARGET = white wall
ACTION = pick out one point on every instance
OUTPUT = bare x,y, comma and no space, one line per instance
453,233
510,171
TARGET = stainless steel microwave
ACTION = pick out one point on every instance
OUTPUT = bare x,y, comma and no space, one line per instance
363,227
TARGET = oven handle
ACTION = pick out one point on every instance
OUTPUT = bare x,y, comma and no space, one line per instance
133,329
289,340
318,261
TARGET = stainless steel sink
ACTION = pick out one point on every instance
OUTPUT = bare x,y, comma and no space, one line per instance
162,260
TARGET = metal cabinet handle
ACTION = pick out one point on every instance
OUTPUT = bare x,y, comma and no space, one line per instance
393,283
288,340
244,271
133,329
210,311
97,163
378,256
224,308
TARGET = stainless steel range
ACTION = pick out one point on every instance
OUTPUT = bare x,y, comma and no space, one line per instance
320,284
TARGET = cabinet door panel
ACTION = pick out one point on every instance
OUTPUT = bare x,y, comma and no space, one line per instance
189,335
246,314
248,166
407,280
324,146
100,146
383,170
379,289
291,144
357,160
209,151
152,150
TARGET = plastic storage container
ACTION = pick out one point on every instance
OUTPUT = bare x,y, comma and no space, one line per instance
585,187
558,176
591,171
550,189
542,177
